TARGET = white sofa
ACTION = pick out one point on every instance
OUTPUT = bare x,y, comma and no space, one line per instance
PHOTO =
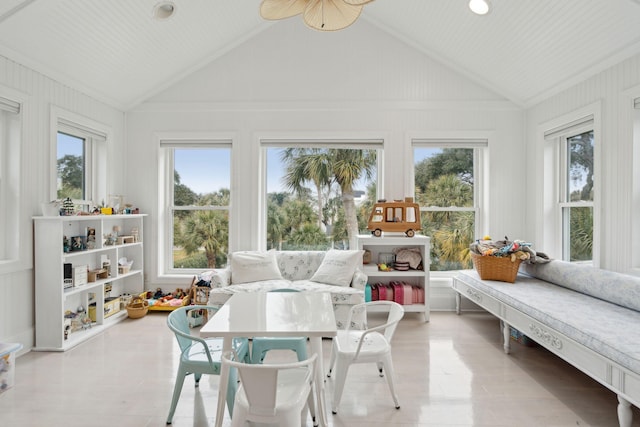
333,271
590,317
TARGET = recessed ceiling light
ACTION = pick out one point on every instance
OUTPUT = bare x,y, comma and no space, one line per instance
164,10
480,7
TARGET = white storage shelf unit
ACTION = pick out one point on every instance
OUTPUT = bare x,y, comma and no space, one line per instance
54,298
385,245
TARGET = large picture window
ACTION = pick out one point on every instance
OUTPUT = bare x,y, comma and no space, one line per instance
319,195
198,182
446,188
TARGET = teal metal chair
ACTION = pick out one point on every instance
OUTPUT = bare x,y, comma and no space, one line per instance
261,345
200,356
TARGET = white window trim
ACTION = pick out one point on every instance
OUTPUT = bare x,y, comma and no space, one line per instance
630,104
164,271
550,133
96,137
19,225
480,142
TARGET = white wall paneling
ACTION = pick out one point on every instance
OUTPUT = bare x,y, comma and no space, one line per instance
40,94
616,214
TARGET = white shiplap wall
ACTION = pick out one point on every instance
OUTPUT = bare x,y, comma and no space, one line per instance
40,93
610,93
361,84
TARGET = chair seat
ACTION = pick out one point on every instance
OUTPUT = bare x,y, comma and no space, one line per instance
374,343
277,394
195,354
290,393
199,356
261,345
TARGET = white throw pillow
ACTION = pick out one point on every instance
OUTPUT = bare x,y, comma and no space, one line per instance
338,267
249,266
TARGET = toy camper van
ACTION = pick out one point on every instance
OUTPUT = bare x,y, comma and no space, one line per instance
396,216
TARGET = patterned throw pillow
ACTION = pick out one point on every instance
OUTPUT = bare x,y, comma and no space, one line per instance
250,266
338,267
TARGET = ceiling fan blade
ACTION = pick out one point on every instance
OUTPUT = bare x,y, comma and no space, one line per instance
281,9
357,2
330,15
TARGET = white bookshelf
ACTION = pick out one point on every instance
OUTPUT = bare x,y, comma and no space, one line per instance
386,244
53,299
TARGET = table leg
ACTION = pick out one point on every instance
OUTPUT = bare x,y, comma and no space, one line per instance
224,383
321,408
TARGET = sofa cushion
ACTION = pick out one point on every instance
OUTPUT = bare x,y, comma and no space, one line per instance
338,267
252,266
299,265
618,288
597,324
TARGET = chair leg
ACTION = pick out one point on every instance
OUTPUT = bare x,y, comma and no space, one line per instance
177,389
301,350
311,404
388,366
332,361
342,368
232,388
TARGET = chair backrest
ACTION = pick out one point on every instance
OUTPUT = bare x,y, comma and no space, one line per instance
179,324
395,312
260,381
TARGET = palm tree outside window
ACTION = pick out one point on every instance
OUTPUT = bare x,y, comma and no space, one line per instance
318,197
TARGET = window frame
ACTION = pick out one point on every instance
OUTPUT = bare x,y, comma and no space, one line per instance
96,137
564,203
480,146
167,143
634,98
15,229
549,225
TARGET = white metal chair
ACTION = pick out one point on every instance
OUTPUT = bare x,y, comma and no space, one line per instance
273,393
261,345
201,356
372,345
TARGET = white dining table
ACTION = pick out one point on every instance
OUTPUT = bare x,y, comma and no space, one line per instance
274,314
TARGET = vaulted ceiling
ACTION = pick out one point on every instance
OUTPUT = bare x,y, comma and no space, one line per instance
114,50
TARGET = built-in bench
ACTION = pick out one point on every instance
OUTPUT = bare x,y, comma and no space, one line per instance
590,317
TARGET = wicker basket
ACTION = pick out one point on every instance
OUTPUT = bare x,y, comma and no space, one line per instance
138,307
496,268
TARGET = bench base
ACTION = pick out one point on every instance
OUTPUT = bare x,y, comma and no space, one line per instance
624,383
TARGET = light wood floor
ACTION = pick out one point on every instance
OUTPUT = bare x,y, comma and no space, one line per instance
450,372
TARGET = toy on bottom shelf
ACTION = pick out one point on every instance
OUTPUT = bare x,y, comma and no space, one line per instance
161,301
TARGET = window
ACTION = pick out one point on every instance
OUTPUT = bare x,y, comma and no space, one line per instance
319,196
575,146
80,161
10,148
576,201
446,182
197,176
71,161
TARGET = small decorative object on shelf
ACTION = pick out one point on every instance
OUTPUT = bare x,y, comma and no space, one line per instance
67,207
500,259
397,216
78,243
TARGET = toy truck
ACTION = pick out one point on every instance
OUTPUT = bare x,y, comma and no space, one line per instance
397,216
